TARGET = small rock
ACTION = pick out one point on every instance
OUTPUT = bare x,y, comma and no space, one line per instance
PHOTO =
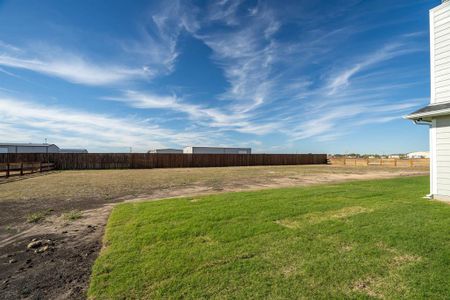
11,261
34,244
42,249
65,231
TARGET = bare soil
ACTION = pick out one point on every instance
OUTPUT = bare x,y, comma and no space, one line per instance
62,271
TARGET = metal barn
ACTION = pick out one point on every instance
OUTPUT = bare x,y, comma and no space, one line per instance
216,150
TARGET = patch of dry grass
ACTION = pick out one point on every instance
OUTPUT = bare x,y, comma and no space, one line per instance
319,217
36,217
113,184
375,286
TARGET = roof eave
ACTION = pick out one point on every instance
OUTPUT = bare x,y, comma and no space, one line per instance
428,115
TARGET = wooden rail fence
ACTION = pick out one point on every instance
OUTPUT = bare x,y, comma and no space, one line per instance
388,162
78,161
23,168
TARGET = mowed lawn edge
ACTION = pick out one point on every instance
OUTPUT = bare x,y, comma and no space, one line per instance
364,239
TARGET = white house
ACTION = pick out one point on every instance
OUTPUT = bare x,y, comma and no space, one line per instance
437,114
418,154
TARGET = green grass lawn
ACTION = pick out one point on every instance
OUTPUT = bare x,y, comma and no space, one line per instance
367,239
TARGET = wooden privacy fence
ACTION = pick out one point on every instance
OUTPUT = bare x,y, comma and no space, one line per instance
388,162
23,168
78,161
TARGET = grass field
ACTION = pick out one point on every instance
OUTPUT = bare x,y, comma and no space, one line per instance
112,184
367,239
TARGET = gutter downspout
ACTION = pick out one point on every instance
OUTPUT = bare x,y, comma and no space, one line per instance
420,121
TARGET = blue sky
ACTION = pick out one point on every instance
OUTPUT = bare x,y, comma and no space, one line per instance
277,76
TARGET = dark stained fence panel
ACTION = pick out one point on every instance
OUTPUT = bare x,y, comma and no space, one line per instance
81,161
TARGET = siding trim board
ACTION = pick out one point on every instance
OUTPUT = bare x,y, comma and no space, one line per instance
432,79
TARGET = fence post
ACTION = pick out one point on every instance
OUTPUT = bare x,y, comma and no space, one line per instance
7,170
21,169
395,162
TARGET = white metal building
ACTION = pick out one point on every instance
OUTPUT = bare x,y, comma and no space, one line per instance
28,148
216,150
72,150
437,114
35,148
169,151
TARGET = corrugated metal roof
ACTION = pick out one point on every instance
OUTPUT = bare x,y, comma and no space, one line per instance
27,144
72,150
206,147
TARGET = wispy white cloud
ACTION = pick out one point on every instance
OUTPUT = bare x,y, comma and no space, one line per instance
172,103
250,55
73,128
8,73
303,87
10,48
245,52
153,54
387,52
338,120
159,33
224,11
73,68
199,114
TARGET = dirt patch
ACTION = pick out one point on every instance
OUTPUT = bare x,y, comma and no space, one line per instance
62,271
366,286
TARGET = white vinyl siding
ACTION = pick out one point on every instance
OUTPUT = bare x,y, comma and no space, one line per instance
440,53
443,155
